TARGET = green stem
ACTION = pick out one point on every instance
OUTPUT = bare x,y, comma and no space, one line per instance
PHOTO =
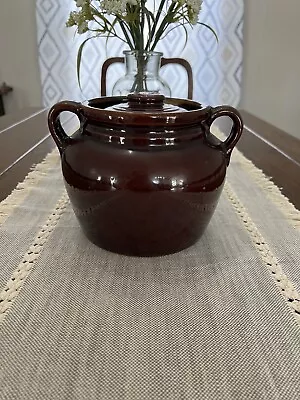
141,60
142,24
132,27
164,24
151,35
122,25
137,27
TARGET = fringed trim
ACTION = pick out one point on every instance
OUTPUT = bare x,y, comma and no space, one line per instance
286,287
18,278
265,183
23,189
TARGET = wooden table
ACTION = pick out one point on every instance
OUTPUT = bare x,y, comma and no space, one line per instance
25,141
275,152
4,90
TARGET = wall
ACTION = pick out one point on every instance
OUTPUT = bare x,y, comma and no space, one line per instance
19,54
271,81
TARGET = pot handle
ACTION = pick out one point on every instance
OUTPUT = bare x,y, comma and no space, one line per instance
60,137
237,128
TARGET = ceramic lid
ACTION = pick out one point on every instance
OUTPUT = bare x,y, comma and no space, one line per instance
145,109
146,102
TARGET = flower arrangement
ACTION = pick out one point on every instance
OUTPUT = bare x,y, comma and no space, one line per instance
141,24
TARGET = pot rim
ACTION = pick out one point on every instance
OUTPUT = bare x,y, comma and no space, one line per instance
96,110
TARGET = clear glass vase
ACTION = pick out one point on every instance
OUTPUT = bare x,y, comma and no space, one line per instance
142,74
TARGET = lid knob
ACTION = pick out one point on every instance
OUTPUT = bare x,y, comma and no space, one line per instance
145,100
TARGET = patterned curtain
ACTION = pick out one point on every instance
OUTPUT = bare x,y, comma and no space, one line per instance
217,68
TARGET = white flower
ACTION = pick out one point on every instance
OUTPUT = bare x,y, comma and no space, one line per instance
83,27
92,12
79,19
193,8
195,5
117,7
80,3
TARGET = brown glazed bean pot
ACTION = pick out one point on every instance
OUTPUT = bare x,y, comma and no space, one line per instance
144,173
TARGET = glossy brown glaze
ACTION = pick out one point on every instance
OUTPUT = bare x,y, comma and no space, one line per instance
144,183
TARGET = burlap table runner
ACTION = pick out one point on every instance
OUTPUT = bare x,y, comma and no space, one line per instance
219,320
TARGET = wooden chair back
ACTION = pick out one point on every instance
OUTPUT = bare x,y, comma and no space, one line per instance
164,61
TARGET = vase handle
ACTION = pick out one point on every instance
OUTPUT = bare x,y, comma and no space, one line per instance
58,133
237,128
